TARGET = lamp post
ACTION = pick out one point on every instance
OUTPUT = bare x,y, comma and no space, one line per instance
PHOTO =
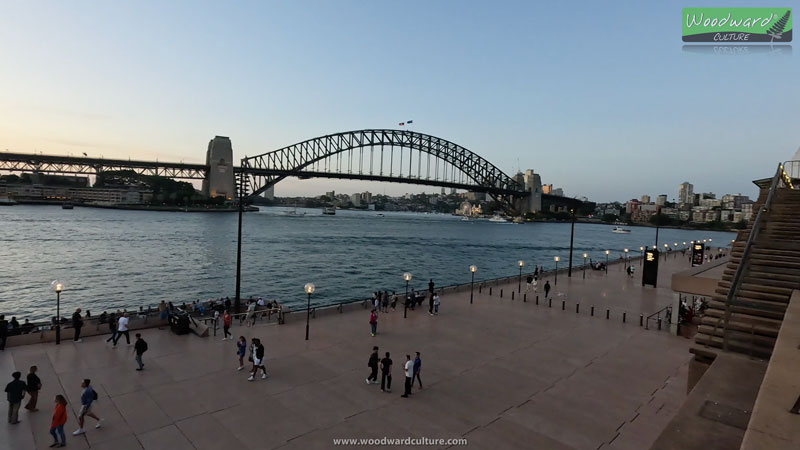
675,249
309,288
407,277
607,252
584,265
641,262
58,286
472,270
556,259
571,236
520,263
666,246
626,259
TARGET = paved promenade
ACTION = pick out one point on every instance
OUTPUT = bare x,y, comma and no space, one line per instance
498,373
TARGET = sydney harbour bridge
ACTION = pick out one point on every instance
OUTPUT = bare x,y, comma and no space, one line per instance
386,155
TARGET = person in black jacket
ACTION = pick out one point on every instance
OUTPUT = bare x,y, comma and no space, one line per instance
15,392
112,326
373,366
77,323
138,349
258,360
3,332
34,384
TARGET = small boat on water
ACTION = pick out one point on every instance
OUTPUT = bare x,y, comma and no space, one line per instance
497,219
466,219
329,210
5,201
293,212
620,230
518,219
66,206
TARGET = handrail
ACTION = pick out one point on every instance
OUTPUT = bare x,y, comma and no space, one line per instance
667,310
792,174
737,277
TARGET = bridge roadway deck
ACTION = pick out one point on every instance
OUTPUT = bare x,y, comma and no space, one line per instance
500,373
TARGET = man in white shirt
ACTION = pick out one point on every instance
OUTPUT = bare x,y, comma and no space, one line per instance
409,369
122,328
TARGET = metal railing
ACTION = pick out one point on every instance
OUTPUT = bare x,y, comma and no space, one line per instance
780,177
656,316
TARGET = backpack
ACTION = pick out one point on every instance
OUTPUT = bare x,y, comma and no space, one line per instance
144,346
94,394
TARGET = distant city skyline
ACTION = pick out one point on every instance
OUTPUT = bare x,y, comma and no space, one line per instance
609,113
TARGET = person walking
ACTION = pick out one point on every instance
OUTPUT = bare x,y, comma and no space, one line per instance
546,288
386,374
15,392
536,273
3,332
226,325
241,349
385,301
122,328
88,396
373,366
528,283
250,317
139,347
430,286
436,302
430,302
33,386
417,368
112,326
58,421
258,360
373,322
77,323
409,369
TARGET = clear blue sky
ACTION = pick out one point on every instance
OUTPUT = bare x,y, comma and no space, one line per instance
600,100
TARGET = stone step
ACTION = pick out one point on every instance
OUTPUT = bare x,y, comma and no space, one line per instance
740,335
766,278
744,347
744,318
752,307
757,287
740,326
756,294
755,251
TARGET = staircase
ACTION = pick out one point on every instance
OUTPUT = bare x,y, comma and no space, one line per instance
763,270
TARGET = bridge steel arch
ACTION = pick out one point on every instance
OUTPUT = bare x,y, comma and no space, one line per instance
322,157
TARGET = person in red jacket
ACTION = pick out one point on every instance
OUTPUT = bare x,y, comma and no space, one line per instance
59,419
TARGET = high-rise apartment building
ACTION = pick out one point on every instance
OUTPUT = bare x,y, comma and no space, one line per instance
685,192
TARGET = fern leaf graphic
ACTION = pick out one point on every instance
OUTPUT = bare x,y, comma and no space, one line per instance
777,28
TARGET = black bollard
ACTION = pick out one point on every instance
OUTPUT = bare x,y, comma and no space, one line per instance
480,286
501,293
490,291
659,323
592,311
549,302
524,298
577,308
512,295
623,317
563,305
641,319
607,313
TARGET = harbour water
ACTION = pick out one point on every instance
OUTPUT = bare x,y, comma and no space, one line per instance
112,259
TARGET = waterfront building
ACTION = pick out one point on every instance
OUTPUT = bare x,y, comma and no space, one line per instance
355,199
661,200
645,198
685,192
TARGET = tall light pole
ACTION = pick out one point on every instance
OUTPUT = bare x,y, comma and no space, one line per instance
309,288
675,249
520,263
407,278
584,265
58,286
556,259
472,269
571,237
666,246
607,252
641,262
626,259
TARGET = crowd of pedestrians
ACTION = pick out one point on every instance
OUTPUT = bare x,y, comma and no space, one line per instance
411,369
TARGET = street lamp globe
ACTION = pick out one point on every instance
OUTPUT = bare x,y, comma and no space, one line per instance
556,259
585,255
675,244
407,276
472,269
309,288
709,239
520,263
57,285
607,252
626,250
641,249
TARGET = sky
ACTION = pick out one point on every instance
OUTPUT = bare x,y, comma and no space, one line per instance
599,99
